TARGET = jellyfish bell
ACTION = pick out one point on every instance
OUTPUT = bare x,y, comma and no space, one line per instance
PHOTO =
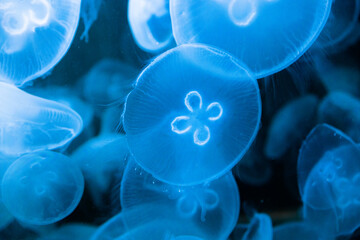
34,36
192,115
41,188
212,208
150,24
251,29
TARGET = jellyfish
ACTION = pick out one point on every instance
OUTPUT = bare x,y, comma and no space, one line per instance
77,231
150,24
329,180
261,33
296,231
41,188
290,125
259,228
341,110
99,159
89,14
34,36
5,217
342,20
211,208
192,115
29,123
108,82
111,119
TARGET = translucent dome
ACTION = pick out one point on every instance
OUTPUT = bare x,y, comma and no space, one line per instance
42,187
29,123
212,207
34,36
192,116
150,24
267,35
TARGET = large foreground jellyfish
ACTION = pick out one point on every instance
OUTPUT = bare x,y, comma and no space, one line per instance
342,20
290,125
211,208
267,35
100,159
109,81
34,36
150,24
329,180
42,187
193,114
29,123
342,111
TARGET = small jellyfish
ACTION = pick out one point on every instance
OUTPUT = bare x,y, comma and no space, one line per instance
89,14
259,228
341,110
290,125
41,188
29,123
150,24
331,190
192,115
267,36
297,231
34,36
213,207
342,20
108,82
100,159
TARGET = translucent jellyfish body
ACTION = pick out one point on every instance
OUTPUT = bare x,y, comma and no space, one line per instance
297,231
259,228
5,217
74,231
342,20
193,114
330,161
89,14
209,210
29,123
150,24
42,188
100,159
261,33
341,110
34,36
107,82
290,125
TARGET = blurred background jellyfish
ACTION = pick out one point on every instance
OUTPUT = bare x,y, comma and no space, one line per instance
42,187
251,30
331,191
259,228
343,18
342,111
192,116
210,209
290,125
76,231
34,36
150,24
100,159
89,14
29,123
297,231
108,82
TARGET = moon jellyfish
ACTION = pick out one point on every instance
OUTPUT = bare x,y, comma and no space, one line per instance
331,190
150,24
42,187
107,82
29,123
99,159
74,231
296,231
267,35
89,13
34,36
111,119
5,217
212,207
290,125
259,228
342,111
342,20
193,114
